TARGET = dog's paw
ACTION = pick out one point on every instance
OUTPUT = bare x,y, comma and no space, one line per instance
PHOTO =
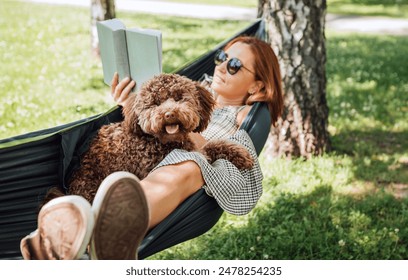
233,152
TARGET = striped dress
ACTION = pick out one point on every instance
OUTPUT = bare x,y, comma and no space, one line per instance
237,192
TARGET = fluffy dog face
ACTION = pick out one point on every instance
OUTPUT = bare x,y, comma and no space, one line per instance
169,107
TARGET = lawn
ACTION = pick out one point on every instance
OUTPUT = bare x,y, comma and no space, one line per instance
350,203
47,76
347,204
237,3
390,8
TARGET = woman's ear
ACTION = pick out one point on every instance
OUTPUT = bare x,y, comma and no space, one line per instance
256,87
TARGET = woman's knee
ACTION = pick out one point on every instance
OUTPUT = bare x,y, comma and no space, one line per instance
189,170
180,172
183,176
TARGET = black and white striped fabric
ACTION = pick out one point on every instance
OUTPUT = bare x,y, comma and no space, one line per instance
237,192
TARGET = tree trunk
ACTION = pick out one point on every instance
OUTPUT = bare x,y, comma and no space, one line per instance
100,10
296,33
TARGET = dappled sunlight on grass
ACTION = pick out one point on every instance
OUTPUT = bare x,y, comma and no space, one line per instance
318,225
299,176
367,82
315,209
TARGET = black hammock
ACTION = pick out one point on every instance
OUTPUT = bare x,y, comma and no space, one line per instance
31,163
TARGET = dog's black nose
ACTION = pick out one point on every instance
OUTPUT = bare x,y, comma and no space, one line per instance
169,115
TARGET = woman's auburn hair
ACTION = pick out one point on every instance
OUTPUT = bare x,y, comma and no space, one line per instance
267,70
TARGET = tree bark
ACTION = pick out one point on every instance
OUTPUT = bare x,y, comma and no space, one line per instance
296,33
100,10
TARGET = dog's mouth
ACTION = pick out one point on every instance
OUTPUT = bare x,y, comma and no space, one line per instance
172,128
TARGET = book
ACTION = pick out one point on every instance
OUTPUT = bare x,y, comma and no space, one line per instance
132,52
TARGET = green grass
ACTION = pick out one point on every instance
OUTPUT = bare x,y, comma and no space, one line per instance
347,204
238,3
388,8
47,76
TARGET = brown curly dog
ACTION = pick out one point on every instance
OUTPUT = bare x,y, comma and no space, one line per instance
157,120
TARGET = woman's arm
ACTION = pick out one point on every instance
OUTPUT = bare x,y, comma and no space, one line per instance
198,139
236,191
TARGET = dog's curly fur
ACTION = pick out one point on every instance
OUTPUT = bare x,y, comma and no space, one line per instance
157,120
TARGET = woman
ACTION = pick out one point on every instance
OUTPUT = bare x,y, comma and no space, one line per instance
246,71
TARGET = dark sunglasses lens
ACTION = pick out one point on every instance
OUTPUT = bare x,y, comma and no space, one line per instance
233,66
220,57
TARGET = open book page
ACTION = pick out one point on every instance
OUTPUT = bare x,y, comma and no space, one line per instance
145,54
113,49
134,53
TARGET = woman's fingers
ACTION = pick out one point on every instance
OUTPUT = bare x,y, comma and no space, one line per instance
120,91
114,83
125,92
119,88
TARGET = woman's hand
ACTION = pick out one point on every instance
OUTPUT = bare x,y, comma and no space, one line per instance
197,139
120,91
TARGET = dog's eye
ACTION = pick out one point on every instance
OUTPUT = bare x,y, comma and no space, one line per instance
178,95
157,101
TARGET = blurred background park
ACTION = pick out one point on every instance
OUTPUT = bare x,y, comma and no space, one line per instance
349,203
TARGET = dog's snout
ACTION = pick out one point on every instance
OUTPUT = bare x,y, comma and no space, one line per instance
169,115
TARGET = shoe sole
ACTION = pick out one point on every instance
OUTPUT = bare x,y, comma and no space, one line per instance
28,249
65,226
121,218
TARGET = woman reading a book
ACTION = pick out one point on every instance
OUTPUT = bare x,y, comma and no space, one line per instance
246,71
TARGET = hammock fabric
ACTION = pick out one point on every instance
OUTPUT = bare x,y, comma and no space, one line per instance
31,163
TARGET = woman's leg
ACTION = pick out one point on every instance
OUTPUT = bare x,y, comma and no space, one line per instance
126,208
164,189
168,186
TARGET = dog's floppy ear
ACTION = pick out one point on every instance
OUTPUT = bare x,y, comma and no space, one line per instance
207,104
129,112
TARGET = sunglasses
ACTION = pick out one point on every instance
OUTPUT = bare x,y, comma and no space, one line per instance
233,64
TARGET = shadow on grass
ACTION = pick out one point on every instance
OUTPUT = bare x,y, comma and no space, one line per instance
365,143
367,79
318,225
379,158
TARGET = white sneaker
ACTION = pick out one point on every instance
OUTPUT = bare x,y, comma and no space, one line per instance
65,227
121,218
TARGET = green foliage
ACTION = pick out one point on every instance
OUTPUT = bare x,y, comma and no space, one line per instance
347,204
